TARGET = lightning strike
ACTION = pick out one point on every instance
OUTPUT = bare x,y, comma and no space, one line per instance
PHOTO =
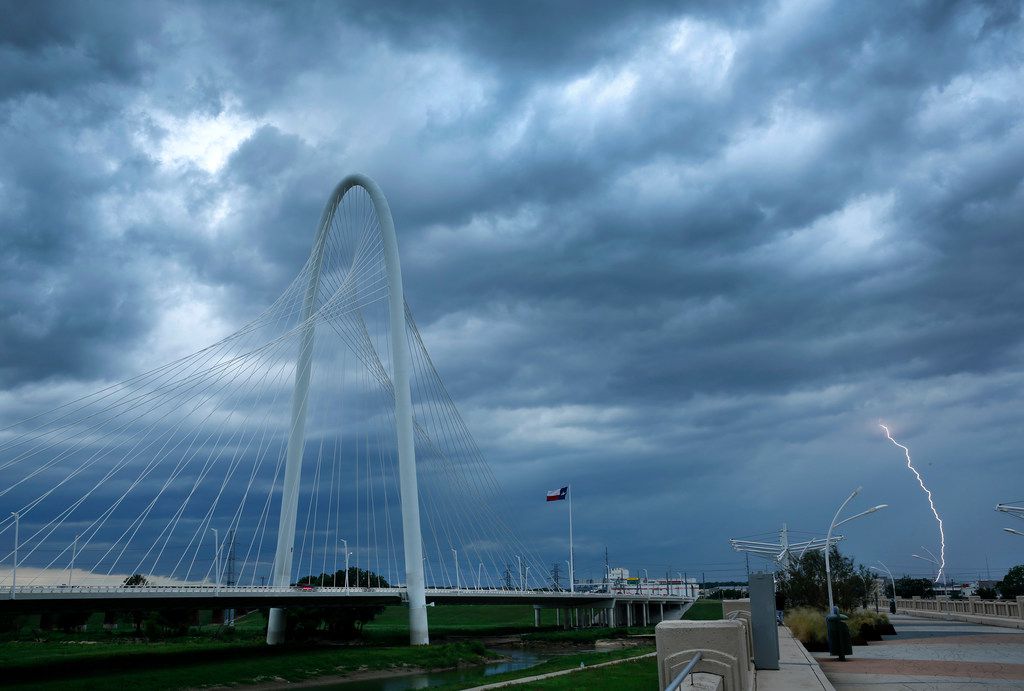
942,534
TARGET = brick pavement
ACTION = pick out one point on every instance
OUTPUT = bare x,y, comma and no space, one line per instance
932,654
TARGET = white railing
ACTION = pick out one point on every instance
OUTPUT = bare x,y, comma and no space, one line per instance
970,607
224,590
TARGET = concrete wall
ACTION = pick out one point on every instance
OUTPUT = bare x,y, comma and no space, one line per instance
972,606
735,606
723,645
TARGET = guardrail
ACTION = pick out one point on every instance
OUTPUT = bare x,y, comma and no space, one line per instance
674,684
213,589
970,607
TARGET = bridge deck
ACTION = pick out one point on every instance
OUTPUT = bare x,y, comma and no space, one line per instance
36,598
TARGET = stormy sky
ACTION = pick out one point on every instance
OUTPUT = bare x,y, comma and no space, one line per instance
683,256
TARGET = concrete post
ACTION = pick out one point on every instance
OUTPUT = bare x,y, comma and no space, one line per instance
536,616
1020,606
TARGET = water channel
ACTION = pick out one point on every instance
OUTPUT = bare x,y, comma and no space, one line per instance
517,659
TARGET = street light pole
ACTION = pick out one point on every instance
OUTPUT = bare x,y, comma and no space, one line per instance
931,560
347,553
14,573
527,575
520,560
828,538
216,557
892,600
74,551
458,581
478,570
891,579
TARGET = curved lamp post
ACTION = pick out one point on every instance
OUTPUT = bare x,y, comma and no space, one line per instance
828,538
889,573
1013,532
892,600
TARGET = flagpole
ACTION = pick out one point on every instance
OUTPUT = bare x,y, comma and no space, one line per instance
572,564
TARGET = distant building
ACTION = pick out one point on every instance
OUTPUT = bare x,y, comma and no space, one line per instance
622,583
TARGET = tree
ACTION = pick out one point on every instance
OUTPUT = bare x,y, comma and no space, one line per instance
1012,584
340,621
913,587
135,580
803,582
986,593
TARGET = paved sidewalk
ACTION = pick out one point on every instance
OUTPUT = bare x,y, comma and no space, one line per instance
798,670
933,654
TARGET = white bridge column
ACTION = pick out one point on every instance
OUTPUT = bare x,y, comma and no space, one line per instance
400,365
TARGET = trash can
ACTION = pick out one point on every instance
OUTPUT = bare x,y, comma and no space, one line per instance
839,641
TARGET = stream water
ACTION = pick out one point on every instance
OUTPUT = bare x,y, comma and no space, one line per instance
517,659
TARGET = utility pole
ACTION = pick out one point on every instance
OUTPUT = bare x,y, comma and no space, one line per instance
748,568
14,573
229,579
607,571
229,576
556,577
508,576
74,553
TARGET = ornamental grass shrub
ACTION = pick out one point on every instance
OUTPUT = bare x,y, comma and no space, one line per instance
808,625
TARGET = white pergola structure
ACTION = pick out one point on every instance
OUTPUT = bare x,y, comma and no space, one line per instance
1012,509
783,552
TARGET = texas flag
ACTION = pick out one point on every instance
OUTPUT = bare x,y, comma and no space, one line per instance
558,494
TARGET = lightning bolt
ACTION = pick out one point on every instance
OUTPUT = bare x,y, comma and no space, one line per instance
942,534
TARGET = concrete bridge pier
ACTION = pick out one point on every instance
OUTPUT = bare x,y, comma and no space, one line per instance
536,616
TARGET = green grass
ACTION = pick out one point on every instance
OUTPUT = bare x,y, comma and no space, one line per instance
458,620
55,652
571,662
587,635
641,675
212,654
704,610
289,663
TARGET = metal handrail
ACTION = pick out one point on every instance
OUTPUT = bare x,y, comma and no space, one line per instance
674,684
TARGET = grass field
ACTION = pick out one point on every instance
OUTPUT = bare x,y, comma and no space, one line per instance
704,610
641,675
292,663
212,654
572,662
461,620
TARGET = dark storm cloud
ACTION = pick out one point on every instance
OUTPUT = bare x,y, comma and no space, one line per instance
712,239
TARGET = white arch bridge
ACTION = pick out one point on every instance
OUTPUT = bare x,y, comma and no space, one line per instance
316,439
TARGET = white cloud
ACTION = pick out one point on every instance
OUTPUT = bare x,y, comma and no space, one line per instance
195,139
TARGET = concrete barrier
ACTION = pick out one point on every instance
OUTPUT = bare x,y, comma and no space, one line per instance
1005,613
729,606
748,627
723,644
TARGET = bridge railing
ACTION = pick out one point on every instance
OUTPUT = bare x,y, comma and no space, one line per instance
972,606
214,589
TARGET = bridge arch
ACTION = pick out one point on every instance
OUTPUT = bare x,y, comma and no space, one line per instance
400,364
